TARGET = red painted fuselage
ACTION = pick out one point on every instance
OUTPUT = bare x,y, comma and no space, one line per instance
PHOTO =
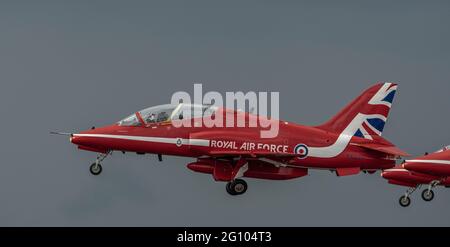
348,143
422,170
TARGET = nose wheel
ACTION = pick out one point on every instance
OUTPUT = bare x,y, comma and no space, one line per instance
96,167
404,201
236,187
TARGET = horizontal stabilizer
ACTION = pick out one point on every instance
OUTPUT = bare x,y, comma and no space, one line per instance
393,150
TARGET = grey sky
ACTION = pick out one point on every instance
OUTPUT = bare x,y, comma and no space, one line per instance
69,65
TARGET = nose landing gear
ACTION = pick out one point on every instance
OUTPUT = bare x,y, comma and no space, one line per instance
427,194
404,200
236,187
96,167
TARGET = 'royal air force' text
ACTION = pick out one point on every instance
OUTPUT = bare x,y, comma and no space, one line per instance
249,146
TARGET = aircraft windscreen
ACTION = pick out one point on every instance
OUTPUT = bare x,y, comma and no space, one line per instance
131,120
443,149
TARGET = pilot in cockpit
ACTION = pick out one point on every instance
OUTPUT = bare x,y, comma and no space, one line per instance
165,113
151,118
162,117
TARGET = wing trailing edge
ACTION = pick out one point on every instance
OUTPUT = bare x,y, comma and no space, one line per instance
392,150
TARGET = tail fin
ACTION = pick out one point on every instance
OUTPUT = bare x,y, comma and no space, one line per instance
366,115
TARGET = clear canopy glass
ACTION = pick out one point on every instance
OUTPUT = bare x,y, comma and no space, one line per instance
131,120
168,112
157,114
187,111
443,149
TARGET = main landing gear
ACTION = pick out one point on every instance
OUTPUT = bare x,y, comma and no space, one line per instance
96,167
236,187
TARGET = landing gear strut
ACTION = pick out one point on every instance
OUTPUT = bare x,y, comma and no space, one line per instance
96,167
404,200
236,187
428,194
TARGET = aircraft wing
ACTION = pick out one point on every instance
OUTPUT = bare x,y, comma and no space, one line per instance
252,154
393,150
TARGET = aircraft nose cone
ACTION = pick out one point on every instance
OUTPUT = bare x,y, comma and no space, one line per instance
82,139
407,166
75,139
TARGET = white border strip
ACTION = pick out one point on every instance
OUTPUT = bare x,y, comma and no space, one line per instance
396,170
445,162
192,142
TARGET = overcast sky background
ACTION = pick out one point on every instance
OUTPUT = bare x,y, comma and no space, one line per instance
69,65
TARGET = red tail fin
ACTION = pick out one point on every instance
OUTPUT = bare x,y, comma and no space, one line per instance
366,115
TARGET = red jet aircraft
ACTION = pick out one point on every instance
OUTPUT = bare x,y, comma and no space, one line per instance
348,143
432,169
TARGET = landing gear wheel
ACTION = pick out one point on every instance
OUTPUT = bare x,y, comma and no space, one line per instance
95,169
404,201
427,195
240,186
229,190
237,187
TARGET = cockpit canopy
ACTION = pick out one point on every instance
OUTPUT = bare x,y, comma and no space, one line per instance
167,113
157,114
443,149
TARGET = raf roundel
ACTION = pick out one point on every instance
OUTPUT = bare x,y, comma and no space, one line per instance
302,150
179,142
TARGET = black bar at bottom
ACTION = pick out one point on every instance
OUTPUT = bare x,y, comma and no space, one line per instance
224,236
